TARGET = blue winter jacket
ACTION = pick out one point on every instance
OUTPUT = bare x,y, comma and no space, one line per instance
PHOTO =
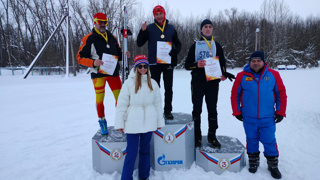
261,98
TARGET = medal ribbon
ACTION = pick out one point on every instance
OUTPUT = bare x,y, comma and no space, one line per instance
208,42
105,37
164,24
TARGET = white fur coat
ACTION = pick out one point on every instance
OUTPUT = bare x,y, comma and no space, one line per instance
141,112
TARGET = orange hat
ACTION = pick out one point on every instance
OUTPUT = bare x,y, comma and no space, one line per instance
100,17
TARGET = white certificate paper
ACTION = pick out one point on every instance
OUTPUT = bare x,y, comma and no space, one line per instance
163,49
109,64
212,68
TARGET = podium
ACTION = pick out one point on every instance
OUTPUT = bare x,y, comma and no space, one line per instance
231,156
173,145
108,152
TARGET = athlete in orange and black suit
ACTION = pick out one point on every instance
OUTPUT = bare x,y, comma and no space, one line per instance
92,47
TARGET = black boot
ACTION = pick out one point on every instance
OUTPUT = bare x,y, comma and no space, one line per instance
213,140
197,132
213,126
254,161
273,166
168,115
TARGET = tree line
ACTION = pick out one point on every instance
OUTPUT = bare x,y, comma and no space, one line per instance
287,39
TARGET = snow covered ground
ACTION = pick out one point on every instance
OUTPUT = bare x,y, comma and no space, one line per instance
47,123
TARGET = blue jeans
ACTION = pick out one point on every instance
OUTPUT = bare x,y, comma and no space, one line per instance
144,155
263,132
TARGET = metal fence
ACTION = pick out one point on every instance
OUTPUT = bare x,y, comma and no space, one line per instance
37,70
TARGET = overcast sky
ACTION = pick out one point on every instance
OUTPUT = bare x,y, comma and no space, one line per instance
303,8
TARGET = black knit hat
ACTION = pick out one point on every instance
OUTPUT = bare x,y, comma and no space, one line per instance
204,22
257,55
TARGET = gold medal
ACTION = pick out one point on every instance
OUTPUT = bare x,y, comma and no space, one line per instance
105,37
162,28
208,43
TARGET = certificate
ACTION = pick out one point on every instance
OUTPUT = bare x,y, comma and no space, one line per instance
109,64
212,68
163,49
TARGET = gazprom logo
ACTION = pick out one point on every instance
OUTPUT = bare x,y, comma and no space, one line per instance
162,161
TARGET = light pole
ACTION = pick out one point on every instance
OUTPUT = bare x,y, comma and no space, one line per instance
256,47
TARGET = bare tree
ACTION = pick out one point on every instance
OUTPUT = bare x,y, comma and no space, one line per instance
25,26
6,30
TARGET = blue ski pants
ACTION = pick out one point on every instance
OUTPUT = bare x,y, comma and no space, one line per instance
139,141
263,132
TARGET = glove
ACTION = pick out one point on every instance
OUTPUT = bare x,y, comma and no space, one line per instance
239,117
173,52
278,118
129,33
229,75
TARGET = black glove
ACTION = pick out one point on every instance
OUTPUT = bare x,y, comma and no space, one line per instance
173,52
239,117
229,75
278,118
129,33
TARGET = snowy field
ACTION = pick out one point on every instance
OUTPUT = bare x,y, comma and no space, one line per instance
47,123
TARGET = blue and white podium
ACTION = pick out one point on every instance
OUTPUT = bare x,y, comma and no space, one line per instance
231,156
173,145
108,152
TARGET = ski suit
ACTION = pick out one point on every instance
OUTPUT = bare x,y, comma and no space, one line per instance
258,97
92,47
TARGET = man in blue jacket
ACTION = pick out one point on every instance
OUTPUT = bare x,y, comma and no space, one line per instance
259,99
161,31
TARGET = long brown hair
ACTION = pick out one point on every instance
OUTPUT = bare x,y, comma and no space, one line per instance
138,80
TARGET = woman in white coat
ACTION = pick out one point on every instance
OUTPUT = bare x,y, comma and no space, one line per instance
138,114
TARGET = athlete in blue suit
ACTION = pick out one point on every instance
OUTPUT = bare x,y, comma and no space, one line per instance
259,99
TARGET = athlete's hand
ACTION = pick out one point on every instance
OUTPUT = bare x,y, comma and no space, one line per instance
144,26
128,54
278,118
201,63
239,117
97,62
229,75
222,78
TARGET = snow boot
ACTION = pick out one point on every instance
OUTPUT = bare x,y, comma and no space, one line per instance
197,132
254,161
103,126
273,166
213,140
168,115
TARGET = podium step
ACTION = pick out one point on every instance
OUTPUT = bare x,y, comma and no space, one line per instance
231,155
173,145
108,152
